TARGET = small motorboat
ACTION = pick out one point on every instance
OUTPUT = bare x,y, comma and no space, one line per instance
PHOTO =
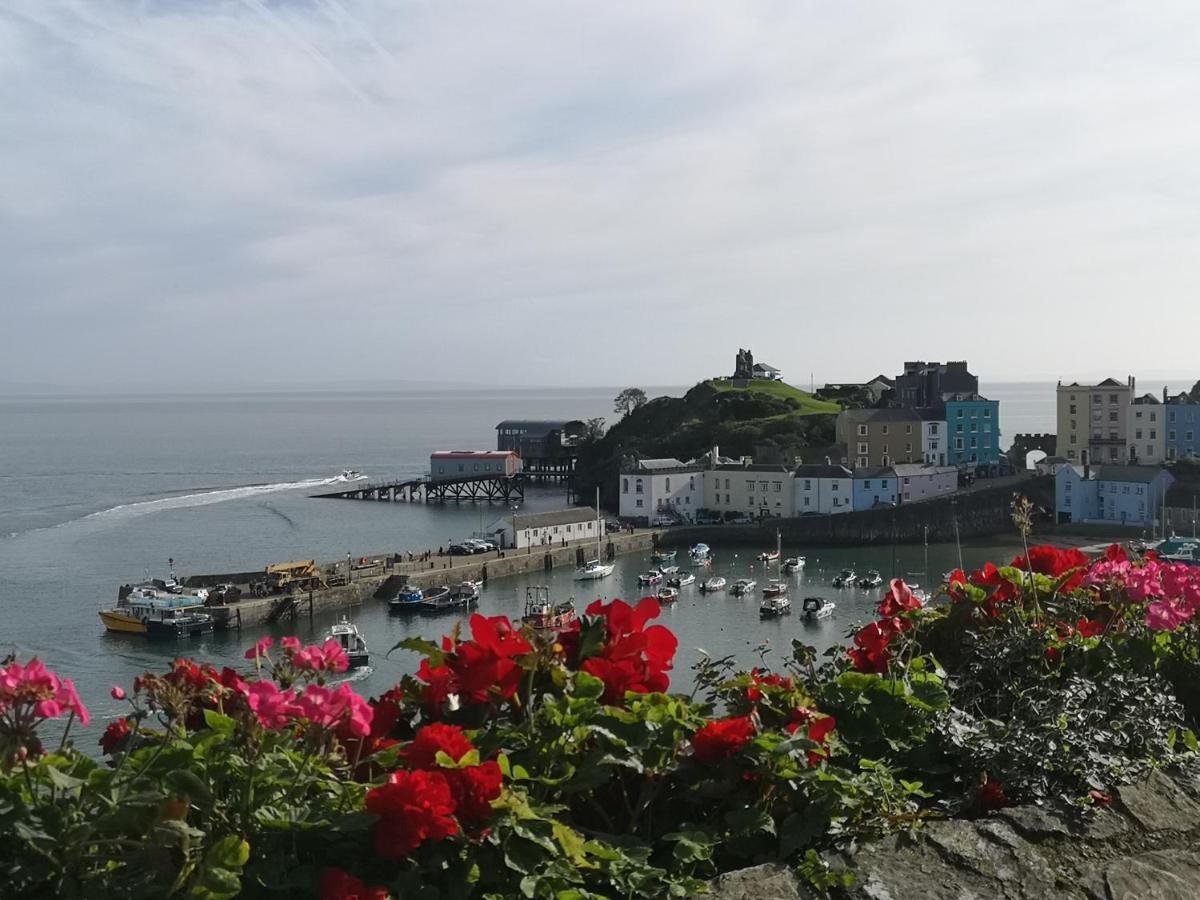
793,563
700,551
542,614
768,556
667,595
408,600
774,589
652,577
743,586
871,580
461,596
714,584
593,570
663,556
668,571
845,578
778,605
817,608
348,638
351,475
681,579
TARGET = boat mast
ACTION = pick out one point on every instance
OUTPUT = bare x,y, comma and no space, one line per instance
598,524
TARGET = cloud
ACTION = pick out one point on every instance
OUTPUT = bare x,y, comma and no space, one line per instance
562,192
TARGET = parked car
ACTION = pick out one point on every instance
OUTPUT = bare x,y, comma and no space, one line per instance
483,543
475,545
611,525
663,521
460,550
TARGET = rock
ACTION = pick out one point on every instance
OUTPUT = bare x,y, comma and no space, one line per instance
1157,875
1035,823
1159,804
766,882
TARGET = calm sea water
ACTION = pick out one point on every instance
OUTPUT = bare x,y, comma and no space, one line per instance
95,492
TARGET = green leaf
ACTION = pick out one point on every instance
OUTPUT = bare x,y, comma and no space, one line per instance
588,687
1189,739
428,649
62,780
187,782
219,722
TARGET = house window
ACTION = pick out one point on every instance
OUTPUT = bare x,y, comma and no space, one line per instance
987,413
1138,434
836,501
806,501
476,467
639,504
668,480
762,486
883,484
885,449
808,484
637,487
750,486
1171,435
908,448
1112,416
884,430
835,486
1072,409
908,429
1112,398
1066,501
624,485
959,428
726,498
862,430
958,443
1067,487
933,427
974,443
726,488
863,448
906,479
862,460
778,486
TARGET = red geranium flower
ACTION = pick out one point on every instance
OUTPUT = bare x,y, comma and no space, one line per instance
633,658
870,652
114,734
413,807
486,663
1047,560
422,752
991,796
474,788
722,739
898,600
338,885
758,678
1089,628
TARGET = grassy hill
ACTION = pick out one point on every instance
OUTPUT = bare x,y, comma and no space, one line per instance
764,417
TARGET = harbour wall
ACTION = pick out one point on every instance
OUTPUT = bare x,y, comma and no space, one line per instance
981,512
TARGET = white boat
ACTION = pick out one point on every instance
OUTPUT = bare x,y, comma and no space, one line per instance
793,563
778,605
593,570
683,579
667,595
768,556
871,580
743,586
351,475
662,556
652,577
845,578
714,584
818,608
352,643
669,570
700,551
774,589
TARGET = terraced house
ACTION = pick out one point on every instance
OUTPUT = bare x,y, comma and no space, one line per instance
881,437
754,490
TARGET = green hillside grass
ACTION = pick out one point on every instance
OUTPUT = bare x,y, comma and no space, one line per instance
809,405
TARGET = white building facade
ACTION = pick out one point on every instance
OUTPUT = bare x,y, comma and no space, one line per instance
917,483
1147,431
548,528
748,489
661,487
933,441
822,490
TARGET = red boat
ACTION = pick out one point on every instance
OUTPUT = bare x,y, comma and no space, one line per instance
541,614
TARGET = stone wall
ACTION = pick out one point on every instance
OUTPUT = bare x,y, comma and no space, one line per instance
1144,846
980,513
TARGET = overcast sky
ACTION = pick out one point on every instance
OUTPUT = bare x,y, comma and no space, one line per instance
203,193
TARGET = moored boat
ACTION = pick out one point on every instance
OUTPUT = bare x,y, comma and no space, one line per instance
778,605
871,580
408,600
667,595
157,613
652,577
817,608
743,586
774,589
180,622
714,584
793,563
541,614
700,551
593,570
348,638
845,578
768,556
459,597
681,579
663,556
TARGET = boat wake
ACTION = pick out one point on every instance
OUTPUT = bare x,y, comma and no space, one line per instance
206,498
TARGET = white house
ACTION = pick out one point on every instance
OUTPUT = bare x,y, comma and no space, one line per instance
933,438
547,528
749,489
762,370
823,489
1148,431
917,483
661,487
1121,495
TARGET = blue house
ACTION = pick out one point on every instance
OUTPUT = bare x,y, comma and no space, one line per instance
1183,427
1120,495
973,434
874,486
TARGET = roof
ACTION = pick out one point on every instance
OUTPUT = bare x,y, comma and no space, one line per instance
813,470
472,454
884,379
881,415
973,398
1140,474
873,472
910,469
1110,382
931,414
649,465
542,425
557,517
765,367
752,467
1053,460
1147,399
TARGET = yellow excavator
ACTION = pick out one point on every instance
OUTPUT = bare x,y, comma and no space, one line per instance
301,575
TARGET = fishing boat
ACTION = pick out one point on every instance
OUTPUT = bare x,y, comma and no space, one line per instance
793,564
871,580
768,556
778,605
541,614
714,584
667,595
743,586
845,578
593,569
700,551
668,571
774,589
652,577
348,638
461,596
157,613
408,600
817,608
663,556
681,579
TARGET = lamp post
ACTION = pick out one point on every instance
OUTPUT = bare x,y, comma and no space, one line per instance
347,568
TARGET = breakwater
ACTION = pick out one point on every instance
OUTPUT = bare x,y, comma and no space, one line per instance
382,574
979,513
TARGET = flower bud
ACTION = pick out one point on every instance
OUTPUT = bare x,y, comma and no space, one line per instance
118,692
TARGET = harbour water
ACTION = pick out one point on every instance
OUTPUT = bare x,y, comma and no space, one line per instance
95,492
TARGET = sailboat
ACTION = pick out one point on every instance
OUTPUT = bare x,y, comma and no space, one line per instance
776,587
593,569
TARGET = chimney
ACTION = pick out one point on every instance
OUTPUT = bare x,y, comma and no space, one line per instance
1164,393
1132,383
828,461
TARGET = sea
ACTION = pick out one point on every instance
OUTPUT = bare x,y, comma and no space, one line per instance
97,491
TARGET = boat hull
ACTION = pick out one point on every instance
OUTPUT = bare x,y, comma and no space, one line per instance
176,630
121,622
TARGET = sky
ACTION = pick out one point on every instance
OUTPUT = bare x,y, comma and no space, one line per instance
218,194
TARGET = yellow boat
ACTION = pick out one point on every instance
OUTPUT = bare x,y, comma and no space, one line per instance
146,610
123,620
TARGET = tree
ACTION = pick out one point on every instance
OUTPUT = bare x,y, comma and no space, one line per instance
593,430
1194,393
629,400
